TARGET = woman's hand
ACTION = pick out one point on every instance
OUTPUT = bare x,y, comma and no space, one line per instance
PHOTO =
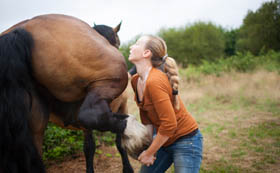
146,159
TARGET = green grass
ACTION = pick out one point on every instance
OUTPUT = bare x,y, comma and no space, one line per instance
261,141
223,166
269,105
258,140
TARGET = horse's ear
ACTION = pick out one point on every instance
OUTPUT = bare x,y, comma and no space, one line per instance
94,24
117,28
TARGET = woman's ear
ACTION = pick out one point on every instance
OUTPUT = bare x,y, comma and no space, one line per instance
147,53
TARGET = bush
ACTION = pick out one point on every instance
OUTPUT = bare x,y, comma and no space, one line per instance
195,43
270,61
241,62
59,142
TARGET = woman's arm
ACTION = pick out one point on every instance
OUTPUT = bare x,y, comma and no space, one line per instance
156,144
147,157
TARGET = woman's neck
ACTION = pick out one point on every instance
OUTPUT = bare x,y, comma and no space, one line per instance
143,69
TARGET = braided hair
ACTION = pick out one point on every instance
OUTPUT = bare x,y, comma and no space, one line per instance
167,64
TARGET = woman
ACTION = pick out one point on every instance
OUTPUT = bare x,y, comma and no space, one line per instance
178,139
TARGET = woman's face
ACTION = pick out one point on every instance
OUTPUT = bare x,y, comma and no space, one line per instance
137,50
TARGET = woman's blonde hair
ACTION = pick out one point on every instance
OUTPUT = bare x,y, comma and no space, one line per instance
160,59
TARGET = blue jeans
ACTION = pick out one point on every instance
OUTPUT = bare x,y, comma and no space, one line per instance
185,153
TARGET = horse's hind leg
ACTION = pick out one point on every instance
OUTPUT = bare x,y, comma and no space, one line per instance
89,150
39,120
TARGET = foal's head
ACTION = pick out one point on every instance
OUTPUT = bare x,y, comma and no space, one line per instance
109,33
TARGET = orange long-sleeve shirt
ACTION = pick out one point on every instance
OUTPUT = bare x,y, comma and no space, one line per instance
156,107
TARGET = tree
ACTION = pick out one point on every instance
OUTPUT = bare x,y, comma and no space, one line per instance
230,42
261,29
194,43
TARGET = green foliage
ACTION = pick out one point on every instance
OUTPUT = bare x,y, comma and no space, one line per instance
194,43
270,61
230,42
107,138
174,38
261,29
59,142
206,43
241,62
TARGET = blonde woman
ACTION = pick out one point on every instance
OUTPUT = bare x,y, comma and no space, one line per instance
178,139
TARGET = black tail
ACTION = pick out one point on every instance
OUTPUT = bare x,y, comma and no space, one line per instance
17,150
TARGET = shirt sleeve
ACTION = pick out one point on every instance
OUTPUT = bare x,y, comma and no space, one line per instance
158,91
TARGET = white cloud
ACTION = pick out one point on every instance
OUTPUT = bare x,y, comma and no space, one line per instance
145,16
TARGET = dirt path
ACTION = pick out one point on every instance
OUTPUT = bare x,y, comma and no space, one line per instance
107,162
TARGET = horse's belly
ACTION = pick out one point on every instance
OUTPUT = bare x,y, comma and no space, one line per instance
70,58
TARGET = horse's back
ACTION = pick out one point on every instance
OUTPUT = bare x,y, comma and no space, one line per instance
69,57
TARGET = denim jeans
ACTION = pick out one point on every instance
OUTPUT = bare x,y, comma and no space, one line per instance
185,153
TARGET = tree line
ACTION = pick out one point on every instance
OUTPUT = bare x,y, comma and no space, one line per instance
205,41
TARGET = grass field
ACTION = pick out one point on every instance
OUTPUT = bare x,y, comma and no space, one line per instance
239,116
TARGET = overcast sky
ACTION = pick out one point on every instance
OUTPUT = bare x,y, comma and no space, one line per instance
139,17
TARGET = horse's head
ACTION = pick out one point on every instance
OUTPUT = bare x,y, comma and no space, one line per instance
109,33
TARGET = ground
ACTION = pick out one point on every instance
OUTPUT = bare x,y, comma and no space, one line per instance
107,162
238,115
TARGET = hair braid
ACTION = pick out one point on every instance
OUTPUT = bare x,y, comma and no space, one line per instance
159,49
171,70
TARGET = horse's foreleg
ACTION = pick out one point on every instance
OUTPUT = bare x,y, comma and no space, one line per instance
95,113
89,150
126,164
122,108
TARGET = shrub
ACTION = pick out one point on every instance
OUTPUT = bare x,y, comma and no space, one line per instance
59,142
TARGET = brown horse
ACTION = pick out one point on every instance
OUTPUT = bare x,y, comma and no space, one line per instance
118,105
58,66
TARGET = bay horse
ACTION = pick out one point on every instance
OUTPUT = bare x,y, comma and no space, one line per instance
118,105
58,66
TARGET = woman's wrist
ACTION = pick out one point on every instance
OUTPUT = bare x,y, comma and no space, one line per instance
156,144
150,152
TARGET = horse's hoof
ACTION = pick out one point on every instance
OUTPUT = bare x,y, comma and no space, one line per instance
136,137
